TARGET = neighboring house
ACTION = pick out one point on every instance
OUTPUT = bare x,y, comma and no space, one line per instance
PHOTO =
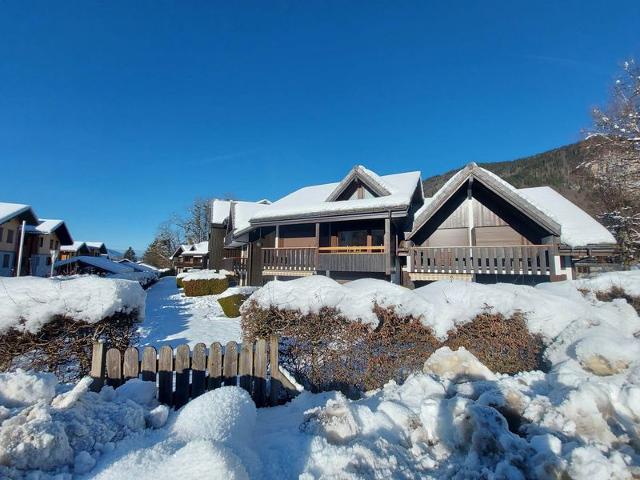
84,249
40,237
91,264
76,249
476,227
189,257
229,235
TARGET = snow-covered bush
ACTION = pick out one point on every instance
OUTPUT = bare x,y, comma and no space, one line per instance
205,282
51,324
232,299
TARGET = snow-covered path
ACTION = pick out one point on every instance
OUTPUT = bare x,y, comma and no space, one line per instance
172,319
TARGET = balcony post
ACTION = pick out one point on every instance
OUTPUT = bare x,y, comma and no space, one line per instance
317,253
387,244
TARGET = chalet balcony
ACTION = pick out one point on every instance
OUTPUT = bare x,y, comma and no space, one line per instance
237,265
302,261
502,260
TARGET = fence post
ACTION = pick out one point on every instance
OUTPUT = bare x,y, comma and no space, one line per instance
165,375
245,368
114,367
276,384
260,369
98,365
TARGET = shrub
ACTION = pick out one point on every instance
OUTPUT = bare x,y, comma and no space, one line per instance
198,288
231,304
618,292
325,351
502,344
179,282
63,346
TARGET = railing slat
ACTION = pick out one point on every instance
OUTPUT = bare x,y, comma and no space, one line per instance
214,365
131,364
198,370
165,375
230,363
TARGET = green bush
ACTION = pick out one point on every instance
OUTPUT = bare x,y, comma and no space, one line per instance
232,303
198,288
179,282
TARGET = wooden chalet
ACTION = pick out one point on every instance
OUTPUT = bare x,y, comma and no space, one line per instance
476,227
41,236
191,257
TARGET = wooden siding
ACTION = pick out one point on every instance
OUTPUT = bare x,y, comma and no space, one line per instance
216,247
352,262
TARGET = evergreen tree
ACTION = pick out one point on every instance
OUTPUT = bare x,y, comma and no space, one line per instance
130,254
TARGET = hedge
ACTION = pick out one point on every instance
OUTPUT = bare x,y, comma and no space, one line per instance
231,304
325,351
198,288
64,346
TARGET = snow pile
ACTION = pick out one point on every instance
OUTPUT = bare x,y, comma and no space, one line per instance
209,438
206,275
27,303
46,427
628,281
548,308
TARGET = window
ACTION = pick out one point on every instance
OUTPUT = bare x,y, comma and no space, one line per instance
1,233
51,244
41,241
5,260
48,260
377,238
57,245
9,236
352,238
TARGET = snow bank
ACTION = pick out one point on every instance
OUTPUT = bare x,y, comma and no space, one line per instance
628,281
230,292
46,427
27,303
547,308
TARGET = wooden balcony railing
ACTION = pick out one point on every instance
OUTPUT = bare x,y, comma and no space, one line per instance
504,260
292,259
237,265
345,259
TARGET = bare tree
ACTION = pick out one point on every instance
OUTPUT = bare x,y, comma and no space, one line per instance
617,170
195,225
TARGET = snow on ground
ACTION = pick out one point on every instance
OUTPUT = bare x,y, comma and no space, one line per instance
456,419
173,319
27,303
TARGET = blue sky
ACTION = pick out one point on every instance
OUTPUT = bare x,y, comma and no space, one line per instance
114,115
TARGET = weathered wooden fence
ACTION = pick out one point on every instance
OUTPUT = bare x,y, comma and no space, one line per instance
187,374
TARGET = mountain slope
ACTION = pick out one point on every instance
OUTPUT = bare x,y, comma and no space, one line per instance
558,168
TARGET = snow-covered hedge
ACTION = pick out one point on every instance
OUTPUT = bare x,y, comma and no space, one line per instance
205,282
28,303
232,299
442,306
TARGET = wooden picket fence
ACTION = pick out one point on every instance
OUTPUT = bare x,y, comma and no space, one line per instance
252,366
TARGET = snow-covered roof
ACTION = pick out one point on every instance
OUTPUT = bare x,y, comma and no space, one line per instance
10,210
98,262
315,200
219,211
138,267
579,229
72,248
45,226
196,249
95,245
242,213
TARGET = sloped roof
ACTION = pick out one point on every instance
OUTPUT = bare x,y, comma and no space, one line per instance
316,200
11,210
47,226
503,189
242,212
579,229
220,211
201,248
366,176
73,247
98,262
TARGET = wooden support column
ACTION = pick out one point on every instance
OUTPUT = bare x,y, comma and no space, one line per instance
317,258
387,244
